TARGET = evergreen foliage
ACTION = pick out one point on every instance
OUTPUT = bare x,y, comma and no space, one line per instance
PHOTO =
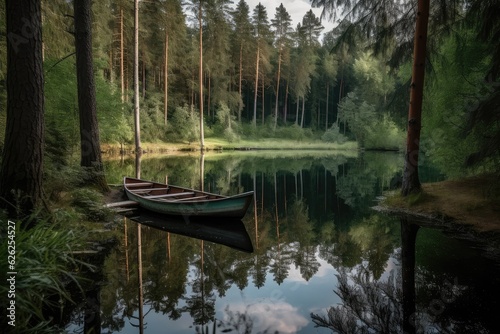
354,82
333,135
62,135
186,127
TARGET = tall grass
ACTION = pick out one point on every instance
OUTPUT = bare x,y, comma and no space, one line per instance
44,266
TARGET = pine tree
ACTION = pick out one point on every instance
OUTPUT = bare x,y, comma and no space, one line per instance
87,105
22,159
282,24
137,118
175,35
217,53
304,61
411,181
242,37
261,35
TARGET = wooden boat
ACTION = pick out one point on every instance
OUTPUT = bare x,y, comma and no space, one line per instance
179,201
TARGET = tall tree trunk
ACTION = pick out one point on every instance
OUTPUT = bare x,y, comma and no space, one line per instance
297,112
209,93
126,81
202,136
165,83
303,108
411,182
341,85
277,91
286,104
22,159
263,99
87,105
326,107
143,74
122,79
137,118
318,114
139,278
256,87
240,107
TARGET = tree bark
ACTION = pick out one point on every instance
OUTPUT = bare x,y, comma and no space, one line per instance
297,111
202,135
137,118
165,88
22,160
285,111
122,71
411,182
303,108
326,107
256,87
263,99
240,79
87,105
277,91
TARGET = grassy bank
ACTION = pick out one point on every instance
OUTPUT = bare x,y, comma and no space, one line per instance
52,257
217,144
473,201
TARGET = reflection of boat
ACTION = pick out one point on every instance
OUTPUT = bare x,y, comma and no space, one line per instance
178,201
229,232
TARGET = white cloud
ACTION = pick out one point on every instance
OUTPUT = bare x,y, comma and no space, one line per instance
272,316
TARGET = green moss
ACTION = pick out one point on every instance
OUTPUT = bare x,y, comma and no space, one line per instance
396,199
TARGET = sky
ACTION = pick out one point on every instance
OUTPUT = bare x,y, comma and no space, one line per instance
296,8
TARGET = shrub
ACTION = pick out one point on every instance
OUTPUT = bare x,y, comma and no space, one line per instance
90,203
184,125
333,135
384,134
226,124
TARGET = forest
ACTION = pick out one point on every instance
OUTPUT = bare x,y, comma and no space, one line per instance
263,77
78,75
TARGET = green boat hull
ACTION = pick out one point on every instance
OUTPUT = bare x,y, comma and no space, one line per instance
226,207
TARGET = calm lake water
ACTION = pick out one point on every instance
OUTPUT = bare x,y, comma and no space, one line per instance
312,227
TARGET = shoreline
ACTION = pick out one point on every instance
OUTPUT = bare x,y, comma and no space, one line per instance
466,209
217,145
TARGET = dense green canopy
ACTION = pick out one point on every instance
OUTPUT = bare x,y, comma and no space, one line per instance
351,81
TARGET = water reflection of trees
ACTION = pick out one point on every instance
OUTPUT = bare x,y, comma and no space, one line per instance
367,177
377,306
214,269
299,220
369,306
411,298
